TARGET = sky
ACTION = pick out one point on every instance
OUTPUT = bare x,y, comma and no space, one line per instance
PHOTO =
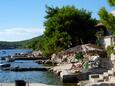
23,19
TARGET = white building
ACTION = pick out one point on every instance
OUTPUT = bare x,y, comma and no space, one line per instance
113,12
107,41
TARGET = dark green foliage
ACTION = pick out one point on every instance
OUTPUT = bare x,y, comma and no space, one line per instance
110,50
29,44
79,56
51,11
66,27
56,43
107,19
33,43
111,2
73,21
10,45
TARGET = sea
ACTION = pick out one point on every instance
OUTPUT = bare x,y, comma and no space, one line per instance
44,77
28,76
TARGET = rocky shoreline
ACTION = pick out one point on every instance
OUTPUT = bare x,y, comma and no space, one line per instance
64,70
63,62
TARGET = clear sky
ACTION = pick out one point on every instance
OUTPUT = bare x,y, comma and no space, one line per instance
23,19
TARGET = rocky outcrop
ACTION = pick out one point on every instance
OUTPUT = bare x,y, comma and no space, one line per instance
105,63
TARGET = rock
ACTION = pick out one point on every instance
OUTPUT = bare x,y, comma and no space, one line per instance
112,79
112,84
105,63
67,77
93,77
104,84
95,84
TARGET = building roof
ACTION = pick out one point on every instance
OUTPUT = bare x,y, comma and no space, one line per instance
113,12
99,24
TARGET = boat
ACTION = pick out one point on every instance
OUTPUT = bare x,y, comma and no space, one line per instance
9,59
4,65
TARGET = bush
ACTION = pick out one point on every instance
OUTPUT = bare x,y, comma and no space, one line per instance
110,50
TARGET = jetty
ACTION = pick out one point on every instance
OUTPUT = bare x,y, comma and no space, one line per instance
27,69
13,58
29,58
25,56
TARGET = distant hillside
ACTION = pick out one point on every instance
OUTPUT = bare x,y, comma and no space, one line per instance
10,45
31,44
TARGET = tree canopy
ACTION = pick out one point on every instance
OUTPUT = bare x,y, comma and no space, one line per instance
111,2
66,27
108,19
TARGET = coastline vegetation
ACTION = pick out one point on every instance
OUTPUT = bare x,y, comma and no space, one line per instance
10,45
66,27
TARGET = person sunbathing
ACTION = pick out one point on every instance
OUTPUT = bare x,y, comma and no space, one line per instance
76,66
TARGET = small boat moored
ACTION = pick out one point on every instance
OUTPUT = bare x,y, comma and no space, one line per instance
4,65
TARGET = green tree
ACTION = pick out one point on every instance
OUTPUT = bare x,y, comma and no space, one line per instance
33,43
111,2
110,50
107,18
66,27
51,11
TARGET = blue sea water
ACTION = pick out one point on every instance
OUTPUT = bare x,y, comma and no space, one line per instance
6,52
28,76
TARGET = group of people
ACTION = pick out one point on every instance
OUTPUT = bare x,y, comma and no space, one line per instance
74,59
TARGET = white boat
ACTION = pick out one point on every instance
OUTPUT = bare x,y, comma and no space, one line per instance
4,65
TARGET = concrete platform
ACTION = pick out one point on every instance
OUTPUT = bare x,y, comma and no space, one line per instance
101,84
27,69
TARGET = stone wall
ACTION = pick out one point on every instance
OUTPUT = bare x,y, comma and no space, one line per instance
105,63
